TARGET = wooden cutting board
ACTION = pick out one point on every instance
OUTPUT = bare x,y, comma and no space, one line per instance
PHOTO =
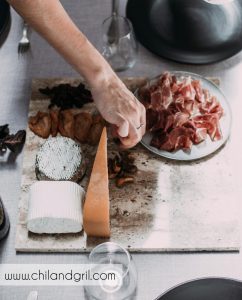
173,206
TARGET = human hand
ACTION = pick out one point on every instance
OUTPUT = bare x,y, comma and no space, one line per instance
119,107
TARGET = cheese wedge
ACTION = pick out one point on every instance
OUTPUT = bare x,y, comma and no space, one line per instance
96,207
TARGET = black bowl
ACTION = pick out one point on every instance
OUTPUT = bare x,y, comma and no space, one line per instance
188,31
4,16
206,289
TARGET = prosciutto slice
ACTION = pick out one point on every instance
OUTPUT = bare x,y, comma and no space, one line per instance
180,113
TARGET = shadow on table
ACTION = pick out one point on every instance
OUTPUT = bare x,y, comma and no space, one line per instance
8,159
88,297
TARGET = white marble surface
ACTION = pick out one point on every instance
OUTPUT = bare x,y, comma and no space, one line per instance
172,206
157,272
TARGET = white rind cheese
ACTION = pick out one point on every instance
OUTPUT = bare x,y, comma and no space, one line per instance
55,207
60,158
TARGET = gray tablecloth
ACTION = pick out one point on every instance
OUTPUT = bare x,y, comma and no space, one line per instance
157,272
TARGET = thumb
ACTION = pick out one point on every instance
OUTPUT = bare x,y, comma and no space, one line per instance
123,128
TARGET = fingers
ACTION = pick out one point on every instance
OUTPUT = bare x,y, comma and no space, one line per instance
122,127
133,138
143,119
130,133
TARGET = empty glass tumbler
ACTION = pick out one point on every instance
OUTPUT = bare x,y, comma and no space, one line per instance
119,43
110,258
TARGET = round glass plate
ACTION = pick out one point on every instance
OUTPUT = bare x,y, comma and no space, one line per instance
205,288
208,146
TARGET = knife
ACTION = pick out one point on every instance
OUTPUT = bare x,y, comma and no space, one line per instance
33,295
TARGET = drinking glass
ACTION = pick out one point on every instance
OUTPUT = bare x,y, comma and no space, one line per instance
112,258
119,43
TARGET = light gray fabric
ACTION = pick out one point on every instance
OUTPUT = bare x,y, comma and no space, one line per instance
157,272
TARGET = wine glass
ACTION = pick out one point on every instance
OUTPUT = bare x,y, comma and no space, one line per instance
119,43
110,258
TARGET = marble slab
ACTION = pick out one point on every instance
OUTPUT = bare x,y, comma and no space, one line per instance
173,206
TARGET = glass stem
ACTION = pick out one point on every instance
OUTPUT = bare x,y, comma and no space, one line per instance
115,7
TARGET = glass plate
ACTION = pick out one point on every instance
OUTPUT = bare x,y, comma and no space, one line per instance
207,147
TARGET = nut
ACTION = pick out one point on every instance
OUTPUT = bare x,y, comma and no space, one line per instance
116,166
120,182
112,175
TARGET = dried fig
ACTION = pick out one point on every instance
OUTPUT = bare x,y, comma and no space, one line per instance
96,130
83,123
54,115
66,124
40,124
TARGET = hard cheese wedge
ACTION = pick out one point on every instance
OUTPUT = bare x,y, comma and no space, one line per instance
96,207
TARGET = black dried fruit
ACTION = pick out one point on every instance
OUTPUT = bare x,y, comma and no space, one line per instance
14,142
131,169
66,96
4,131
121,166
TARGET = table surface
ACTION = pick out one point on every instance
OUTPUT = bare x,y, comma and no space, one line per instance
157,272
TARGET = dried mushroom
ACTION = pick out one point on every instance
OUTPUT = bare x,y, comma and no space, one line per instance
121,167
131,169
13,142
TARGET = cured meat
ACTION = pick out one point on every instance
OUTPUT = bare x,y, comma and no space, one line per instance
180,113
180,119
200,136
199,96
152,117
179,137
211,106
211,123
165,121
144,95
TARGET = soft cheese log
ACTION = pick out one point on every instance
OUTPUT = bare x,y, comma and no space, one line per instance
55,207
96,207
